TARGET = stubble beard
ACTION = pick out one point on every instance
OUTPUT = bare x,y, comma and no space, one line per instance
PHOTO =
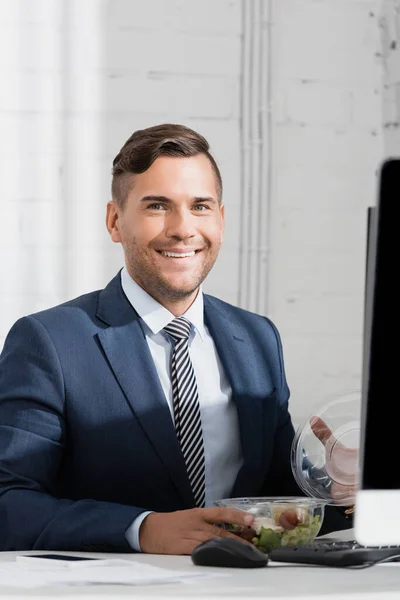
153,282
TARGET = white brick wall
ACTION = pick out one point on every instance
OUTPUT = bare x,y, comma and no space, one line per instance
327,142
79,76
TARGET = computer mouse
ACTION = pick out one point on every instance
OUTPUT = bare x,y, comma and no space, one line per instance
228,552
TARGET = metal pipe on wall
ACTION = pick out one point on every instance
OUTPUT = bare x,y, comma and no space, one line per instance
244,282
266,157
256,154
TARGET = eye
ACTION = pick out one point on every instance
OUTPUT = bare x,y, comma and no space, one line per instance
155,206
201,207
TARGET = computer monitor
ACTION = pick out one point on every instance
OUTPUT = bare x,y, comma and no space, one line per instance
377,510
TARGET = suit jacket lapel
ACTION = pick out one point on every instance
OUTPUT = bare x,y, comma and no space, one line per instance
127,351
238,358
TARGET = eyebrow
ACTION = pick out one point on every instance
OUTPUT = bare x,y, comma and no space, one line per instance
165,200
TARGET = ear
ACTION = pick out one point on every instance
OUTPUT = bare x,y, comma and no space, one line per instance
112,221
222,209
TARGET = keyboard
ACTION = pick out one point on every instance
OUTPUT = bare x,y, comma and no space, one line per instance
335,554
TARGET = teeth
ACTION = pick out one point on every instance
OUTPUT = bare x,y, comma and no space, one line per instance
176,255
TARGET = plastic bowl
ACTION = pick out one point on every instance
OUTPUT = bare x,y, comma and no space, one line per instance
280,521
329,471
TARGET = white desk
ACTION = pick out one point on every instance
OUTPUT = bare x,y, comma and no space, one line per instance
276,581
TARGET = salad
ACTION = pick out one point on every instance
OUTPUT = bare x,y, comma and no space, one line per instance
285,521
287,527
269,535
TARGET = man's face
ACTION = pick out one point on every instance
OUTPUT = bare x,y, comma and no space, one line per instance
171,226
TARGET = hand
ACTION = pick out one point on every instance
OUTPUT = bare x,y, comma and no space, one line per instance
182,531
341,462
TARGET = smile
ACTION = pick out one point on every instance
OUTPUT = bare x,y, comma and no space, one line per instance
178,254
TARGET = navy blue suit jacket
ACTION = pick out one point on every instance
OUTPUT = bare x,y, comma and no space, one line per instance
86,437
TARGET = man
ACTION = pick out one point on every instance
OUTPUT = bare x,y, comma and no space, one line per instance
126,412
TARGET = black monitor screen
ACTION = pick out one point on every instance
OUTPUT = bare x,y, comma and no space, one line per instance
381,362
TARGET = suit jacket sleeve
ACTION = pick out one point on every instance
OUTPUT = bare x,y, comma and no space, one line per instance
280,480
32,446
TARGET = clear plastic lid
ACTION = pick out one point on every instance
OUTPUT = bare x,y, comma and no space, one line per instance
325,451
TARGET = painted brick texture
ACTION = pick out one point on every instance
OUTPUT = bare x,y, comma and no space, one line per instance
78,77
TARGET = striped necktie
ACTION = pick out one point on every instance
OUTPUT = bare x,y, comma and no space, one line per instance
186,407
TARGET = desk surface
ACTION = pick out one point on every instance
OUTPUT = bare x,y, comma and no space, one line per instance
276,581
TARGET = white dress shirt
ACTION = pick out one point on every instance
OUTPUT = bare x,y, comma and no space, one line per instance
221,438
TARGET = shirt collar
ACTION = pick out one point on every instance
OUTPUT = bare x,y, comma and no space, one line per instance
154,314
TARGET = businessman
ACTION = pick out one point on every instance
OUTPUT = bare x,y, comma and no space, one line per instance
126,412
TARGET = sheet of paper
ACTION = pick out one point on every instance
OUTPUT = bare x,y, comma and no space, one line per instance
43,563
20,575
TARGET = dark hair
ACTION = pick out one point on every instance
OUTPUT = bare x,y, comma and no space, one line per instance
145,145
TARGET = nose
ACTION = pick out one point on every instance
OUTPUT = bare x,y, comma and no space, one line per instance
180,224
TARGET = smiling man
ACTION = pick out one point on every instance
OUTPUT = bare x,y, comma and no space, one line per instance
170,223
125,413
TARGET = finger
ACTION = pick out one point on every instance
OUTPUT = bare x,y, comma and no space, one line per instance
247,533
343,492
213,531
320,429
203,535
223,533
195,538
221,514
